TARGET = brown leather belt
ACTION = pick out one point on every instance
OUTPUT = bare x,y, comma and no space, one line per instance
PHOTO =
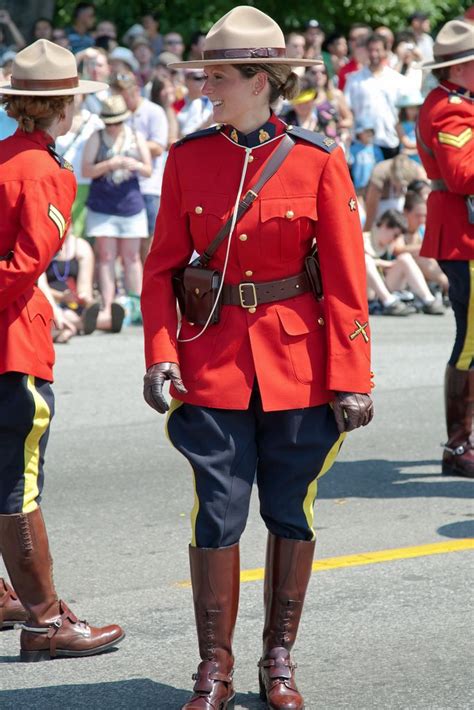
250,295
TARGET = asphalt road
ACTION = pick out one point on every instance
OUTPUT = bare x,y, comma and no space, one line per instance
387,634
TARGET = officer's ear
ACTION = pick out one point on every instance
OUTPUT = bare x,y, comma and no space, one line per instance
260,82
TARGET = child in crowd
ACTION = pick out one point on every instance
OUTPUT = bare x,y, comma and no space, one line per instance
409,107
363,156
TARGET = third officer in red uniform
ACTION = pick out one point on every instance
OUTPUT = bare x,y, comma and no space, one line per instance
266,379
446,147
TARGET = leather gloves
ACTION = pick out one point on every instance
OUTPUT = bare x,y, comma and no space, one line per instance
153,384
352,410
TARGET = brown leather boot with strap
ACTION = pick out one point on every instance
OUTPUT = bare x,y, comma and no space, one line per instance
51,629
287,573
458,455
215,576
12,610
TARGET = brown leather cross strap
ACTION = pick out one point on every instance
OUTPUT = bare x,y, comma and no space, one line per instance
270,168
250,295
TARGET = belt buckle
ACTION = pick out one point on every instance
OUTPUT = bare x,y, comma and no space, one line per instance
242,294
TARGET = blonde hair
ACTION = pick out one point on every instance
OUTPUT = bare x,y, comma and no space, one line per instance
283,81
36,112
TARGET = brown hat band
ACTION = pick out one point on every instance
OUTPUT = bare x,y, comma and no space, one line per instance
455,55
44,84
257,53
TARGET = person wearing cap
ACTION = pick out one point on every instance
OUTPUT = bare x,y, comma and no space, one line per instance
445,136
37,189
122,60
272,387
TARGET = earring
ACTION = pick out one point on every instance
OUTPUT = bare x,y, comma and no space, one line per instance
256,93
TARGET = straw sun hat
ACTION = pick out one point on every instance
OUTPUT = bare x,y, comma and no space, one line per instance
454,44
46,69
244,35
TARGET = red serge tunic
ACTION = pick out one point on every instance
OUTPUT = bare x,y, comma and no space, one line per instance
36,196
446,128
299,350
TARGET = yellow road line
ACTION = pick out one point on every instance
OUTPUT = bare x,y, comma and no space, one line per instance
369,558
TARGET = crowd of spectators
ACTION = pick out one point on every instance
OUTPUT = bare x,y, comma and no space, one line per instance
365,96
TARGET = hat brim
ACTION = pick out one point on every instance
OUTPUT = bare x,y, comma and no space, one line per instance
110,120
85,87
439,64
287,61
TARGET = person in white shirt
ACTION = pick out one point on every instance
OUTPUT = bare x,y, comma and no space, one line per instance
419,22
373,92
197,110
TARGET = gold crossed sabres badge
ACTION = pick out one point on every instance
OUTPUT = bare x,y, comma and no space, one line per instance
360,330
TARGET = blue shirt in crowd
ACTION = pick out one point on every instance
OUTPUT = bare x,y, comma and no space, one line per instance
362,160
8,125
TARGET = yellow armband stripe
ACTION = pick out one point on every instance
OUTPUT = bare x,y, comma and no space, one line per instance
57,217
456,141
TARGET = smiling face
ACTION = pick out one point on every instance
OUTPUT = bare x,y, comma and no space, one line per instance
236,99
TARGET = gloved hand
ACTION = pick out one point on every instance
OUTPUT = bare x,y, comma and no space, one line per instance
352,410
153,384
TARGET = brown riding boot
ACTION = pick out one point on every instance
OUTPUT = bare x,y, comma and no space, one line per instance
287,573
51,630
458,455
12,610
215,576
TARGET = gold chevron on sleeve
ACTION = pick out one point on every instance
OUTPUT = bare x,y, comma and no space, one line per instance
456,141
57,217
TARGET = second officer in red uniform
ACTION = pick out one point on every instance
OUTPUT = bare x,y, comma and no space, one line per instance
272,387
446,147
37,189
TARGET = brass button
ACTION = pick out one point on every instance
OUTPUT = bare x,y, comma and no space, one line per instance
252,310
243,237
198,209
290,214
250,158
249,273
320,321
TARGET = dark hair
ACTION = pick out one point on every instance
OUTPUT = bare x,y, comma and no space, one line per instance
417,185
157,86
393,219
283,81
42,19
359,26
412,199
80,7
195,37
376,37
404,36
155,15
105,42
441,73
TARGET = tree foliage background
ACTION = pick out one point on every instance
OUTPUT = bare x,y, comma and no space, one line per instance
186,16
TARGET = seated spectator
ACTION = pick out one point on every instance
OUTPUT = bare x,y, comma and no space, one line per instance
42,29
400,269
113,158
363,156
414,212
173,42
83,21
69,279
388,186
71,146
421,187
11,38
143,53
197,110
196,45
409,107
122,61
151,25
149,121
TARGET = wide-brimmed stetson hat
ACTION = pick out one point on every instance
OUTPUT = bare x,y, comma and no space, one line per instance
113,109
46,69
245,35
454,44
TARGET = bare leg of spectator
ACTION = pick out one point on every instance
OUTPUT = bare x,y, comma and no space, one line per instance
107,249
392,306
405,271
132,264
432,272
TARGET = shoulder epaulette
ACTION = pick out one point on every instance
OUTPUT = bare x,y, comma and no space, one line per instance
62,162
212,131
317,139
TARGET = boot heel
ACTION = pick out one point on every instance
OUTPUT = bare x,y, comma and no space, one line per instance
34,656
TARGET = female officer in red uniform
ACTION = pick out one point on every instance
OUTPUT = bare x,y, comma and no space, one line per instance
446,148
37,189
253,392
